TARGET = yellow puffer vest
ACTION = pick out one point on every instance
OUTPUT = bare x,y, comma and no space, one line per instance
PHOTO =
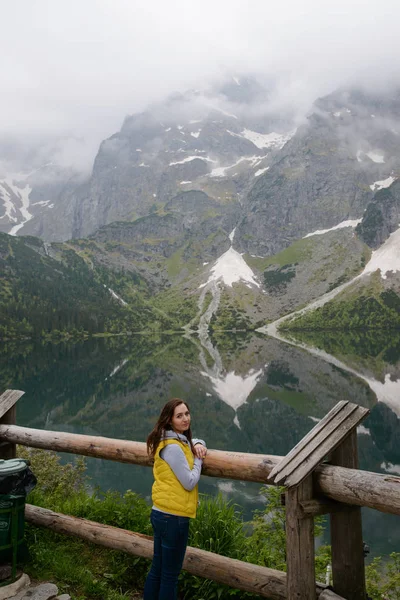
168,494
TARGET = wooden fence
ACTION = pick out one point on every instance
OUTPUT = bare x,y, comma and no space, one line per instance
313,488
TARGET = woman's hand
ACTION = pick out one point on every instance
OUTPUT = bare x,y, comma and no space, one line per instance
200,451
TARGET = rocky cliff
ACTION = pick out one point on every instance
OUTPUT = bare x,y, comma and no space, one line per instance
325,174
215,141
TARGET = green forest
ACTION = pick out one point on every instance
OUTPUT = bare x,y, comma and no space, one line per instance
41,296
363,312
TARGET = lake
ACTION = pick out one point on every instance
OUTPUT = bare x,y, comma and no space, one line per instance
247,393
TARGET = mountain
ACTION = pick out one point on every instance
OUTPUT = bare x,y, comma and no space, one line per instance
35,178
228,215
382,215
217,141
371,299
327,173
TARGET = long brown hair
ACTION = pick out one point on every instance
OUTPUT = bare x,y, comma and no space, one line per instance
164,424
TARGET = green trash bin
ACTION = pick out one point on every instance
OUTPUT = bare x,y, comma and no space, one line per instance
12,517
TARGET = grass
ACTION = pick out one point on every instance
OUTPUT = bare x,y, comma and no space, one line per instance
176,263
300,251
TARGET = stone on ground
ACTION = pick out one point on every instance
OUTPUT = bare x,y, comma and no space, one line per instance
44,591
10,591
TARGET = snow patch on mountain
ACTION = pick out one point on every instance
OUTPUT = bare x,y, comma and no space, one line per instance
9,207
348,223
231,268
115,295
267,140
41,203
15,199
221,171
386,258
260,172
195,134
190,158
383,183
375,156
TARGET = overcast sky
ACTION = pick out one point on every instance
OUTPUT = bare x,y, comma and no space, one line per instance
77,67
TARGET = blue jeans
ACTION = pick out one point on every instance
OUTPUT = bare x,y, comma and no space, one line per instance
170,541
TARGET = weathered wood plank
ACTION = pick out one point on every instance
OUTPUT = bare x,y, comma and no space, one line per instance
325,447
300,544
360,488
323,443
319,506
304,457
231,465
8,399
348,569
351,486
308,437
8,416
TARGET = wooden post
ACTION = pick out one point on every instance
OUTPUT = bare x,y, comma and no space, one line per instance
348,568
300,544
8,416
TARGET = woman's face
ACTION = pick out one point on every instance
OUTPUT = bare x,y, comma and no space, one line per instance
180,421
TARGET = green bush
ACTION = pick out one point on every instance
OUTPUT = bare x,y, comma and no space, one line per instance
280,277
383,578
217,528
85,571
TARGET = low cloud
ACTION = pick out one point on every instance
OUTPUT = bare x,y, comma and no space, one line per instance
71,71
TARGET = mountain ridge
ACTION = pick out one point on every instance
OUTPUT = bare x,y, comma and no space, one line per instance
186,193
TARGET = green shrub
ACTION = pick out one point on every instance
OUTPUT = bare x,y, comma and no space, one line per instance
383,579
279,277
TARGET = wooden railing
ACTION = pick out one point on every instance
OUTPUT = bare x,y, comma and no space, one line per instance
335,489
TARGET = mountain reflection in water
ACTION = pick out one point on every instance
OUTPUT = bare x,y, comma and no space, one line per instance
247,393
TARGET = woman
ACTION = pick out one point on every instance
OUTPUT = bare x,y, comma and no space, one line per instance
178,460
